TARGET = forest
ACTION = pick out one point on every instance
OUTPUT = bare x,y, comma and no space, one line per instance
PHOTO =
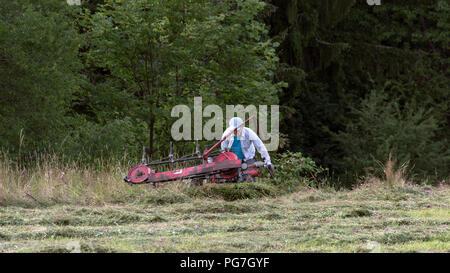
355,83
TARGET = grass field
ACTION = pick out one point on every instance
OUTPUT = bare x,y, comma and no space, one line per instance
371,218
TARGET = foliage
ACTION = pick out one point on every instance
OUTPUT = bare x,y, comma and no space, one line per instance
100,80
165,53
381,127
90,141
333,53
292,166
38,64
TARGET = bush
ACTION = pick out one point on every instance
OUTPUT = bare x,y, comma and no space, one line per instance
295,168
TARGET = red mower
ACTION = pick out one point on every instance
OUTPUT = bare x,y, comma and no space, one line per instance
224,168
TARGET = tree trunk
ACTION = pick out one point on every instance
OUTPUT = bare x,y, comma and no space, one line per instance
151,135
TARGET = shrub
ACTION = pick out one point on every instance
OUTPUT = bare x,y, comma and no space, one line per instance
296,168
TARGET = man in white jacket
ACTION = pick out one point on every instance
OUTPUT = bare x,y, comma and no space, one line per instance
243,143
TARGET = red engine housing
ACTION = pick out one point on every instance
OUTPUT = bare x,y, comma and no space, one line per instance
253,172
227,156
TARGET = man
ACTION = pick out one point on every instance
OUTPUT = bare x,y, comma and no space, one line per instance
243,143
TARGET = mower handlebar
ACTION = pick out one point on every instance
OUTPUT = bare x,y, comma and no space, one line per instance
259,164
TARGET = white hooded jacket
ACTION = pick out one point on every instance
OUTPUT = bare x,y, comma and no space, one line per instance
249,140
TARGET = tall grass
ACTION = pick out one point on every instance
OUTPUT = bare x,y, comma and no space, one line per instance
49,180
52,180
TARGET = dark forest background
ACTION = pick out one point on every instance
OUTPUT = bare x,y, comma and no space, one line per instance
355,82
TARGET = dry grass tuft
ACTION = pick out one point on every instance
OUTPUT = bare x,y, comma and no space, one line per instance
394,177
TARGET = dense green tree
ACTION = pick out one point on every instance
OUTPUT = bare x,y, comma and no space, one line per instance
101,79
312,68
335,52
38,66
167,52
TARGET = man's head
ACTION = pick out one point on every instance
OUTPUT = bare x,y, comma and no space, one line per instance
236,122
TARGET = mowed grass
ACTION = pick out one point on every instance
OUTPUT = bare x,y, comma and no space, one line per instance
368,219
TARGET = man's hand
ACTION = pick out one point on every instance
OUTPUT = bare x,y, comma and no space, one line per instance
268,164
270,168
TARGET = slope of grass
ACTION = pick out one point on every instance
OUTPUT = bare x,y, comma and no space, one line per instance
56,207
368,219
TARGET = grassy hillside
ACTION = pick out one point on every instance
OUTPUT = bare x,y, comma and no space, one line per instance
55,207
373,217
